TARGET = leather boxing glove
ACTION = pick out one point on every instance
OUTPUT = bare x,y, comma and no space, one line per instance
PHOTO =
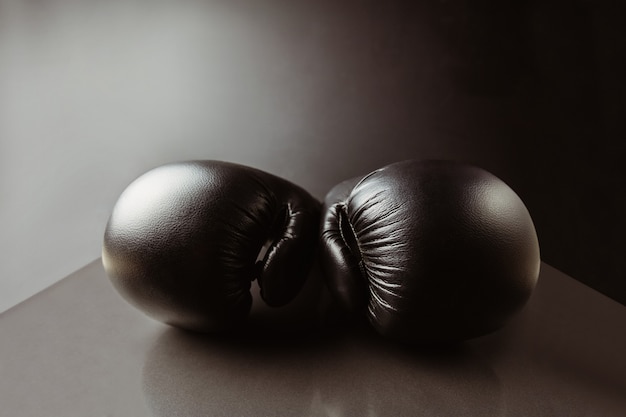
431,251
185,240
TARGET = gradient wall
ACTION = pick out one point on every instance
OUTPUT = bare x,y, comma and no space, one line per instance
92,94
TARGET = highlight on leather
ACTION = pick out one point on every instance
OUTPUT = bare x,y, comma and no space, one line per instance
446,251
184,240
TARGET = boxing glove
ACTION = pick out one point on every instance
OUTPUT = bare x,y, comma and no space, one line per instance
185,241
430,251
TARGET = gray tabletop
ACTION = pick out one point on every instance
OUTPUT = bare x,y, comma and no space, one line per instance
77,349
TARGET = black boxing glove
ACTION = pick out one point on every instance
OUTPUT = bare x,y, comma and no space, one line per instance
432,251
185,240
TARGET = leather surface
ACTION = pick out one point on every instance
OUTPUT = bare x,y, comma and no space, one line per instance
432,251
185,240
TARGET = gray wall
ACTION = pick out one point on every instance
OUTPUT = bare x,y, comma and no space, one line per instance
92,94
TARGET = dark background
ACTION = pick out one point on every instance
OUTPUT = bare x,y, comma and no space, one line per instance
92,94
553,74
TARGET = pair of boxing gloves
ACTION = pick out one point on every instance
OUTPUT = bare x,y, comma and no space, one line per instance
429,251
